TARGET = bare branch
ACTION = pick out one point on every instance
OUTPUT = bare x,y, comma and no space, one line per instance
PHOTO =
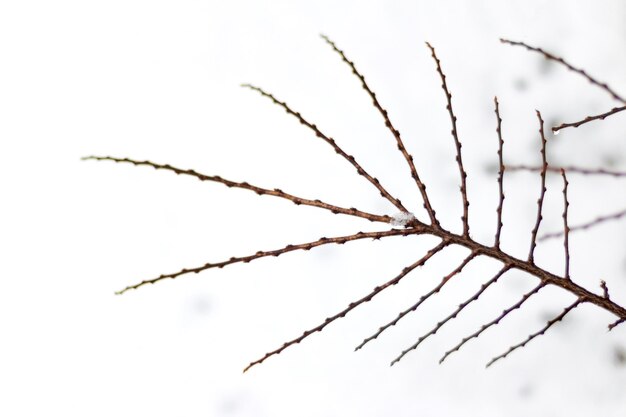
588,119
544,168
539,333
497,320
568,169
246,186
561,61
500,173
333,143
396,134
354,304
421,300
411,226
276,252
457,143
565,226
588,225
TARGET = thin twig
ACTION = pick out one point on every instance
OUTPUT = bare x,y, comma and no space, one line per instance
588,225
561,61
497,320
457,143
396,134
276,252
539,333
588,119
569,170
565,226
500,173
246,186
383,192
544,168
353,305
421,300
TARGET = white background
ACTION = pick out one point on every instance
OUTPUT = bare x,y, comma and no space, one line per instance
159,80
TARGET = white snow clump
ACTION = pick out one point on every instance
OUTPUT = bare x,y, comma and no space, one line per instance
402,218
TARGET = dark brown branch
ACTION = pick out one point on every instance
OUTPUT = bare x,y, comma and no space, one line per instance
454,314
383,192
353,305
276,252
584,226
545,276
539,333
500,173
544,169
396,134
565,226
419,302
497,320
561,61
427,296
244,185
568,169
588,119
457,143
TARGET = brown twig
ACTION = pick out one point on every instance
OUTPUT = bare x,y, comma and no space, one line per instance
383,192
396,134
565,226
500,173
588,225
588,119
561,61
457,143
568,169
246,186
539,333
423,298
353,305
544,168
276,252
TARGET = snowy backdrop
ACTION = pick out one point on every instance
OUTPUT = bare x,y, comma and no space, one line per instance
159,80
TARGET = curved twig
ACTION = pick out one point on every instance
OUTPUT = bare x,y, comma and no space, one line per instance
561,61
588,119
